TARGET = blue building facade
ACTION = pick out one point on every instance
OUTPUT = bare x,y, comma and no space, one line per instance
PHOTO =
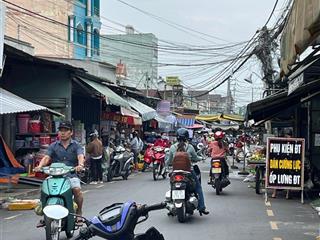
84,29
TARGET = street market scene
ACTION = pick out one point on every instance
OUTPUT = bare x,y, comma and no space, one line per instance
153,120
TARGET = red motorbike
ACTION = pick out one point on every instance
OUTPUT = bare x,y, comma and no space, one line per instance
148,157
159,166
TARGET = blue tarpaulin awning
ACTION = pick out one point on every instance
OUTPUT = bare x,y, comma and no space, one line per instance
186,121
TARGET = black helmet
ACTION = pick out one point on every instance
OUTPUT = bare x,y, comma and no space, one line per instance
182,134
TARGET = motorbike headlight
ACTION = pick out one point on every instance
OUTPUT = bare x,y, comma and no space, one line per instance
56,171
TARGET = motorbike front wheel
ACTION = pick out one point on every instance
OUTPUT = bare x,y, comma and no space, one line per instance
145,166
110,175
52,229
181,213
155,172
69,234
164,175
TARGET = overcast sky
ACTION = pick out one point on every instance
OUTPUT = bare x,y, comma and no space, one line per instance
230,20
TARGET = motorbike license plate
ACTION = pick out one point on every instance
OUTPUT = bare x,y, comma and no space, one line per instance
216,170
178,194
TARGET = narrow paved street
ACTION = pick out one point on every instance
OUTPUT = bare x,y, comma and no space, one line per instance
237,214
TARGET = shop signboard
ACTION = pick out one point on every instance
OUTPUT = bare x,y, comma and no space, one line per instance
172,81
110,116
285,163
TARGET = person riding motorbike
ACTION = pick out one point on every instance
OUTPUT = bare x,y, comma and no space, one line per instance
218,149
70,152
162,141
183,145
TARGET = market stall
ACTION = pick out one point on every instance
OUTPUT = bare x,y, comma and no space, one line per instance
33,128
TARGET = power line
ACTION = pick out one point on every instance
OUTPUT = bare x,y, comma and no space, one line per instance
171,23
160,64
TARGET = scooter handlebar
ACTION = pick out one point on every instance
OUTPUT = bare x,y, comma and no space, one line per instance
154,207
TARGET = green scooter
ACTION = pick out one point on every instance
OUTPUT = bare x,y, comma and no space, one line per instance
57,204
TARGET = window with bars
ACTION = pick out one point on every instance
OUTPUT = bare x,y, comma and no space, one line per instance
96,42
81,36
96,7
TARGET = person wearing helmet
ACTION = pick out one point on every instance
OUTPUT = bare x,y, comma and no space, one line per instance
95,150
183,146
218,149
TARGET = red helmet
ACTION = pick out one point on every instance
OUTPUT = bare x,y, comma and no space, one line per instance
218,135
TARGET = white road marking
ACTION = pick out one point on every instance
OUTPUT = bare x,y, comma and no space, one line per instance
12,217
277,238
268,204
85,191
274,225
270,213
100,186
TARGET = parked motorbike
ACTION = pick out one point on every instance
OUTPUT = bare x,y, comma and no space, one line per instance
121,164
232,149
202,151
57,201
181,199
218,179
242,153
118,221
148,157
106,161
159,165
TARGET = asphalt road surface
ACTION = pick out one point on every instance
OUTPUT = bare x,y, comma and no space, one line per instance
237,214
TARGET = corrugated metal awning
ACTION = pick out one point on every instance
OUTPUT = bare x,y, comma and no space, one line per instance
111,97
147,113
11,103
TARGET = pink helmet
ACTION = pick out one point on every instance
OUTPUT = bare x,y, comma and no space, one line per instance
218,135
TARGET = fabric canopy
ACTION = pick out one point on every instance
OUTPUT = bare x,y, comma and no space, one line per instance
147,113
208,118
111,97
10,103
195,126
218,117
225,126
129,112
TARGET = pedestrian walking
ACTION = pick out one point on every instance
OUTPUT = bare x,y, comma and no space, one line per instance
95,150
135,147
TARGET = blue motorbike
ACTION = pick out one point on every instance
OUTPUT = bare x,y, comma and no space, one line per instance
118,222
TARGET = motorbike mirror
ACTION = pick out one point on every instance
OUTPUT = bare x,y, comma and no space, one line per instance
56,212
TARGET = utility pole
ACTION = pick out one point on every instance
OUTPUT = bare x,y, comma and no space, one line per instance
264,52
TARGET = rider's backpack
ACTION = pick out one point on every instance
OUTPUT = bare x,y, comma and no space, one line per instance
181,161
